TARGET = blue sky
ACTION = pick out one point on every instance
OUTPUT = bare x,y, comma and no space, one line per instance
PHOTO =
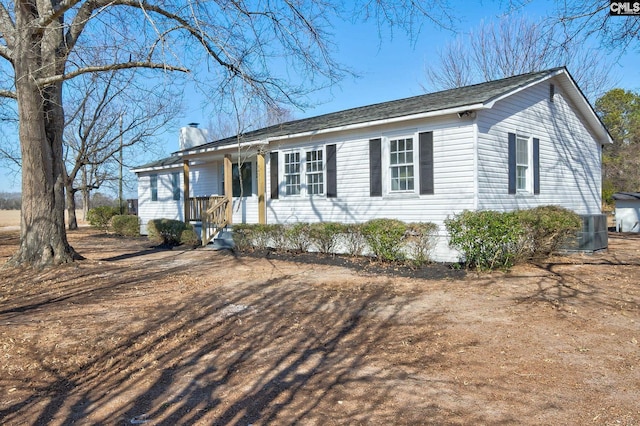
389,68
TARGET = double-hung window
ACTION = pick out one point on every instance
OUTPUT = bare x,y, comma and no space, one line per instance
153,183
304,172
292,173
175,186
314,172
401,164
522,163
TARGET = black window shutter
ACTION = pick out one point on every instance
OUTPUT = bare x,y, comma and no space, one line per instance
273,172
332,182
536,166
512,163
426,162
375,167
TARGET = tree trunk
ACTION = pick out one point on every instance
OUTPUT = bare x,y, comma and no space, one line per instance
86,200
72,221
43,240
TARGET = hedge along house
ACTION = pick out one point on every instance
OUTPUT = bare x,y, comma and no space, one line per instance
514,143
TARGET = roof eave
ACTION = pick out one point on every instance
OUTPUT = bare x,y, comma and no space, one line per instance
355,126
156,168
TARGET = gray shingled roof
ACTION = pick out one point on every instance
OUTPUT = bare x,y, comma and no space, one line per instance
438,101
165,162
634,196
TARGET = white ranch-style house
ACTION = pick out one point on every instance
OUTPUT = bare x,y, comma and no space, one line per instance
514,143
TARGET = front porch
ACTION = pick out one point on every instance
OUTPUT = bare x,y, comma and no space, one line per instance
215,212
212,214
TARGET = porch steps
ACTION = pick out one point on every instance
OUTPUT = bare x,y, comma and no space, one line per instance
222,241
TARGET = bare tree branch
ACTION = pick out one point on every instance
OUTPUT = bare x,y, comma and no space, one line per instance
7,33
515,45
111,67
57,13
8,94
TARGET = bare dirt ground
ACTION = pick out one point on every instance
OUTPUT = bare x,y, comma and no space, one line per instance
137,335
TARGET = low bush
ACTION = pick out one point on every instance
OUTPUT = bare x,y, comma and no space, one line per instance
547,229
385,238
419,241
243,235
125,225
189,237
99,217
171,232
353,239
487,239
325,236
297,238
267,236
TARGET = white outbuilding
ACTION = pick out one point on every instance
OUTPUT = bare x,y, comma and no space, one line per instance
627,211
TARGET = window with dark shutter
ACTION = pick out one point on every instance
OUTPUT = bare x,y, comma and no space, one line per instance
426,163
273,174
332,179
375,167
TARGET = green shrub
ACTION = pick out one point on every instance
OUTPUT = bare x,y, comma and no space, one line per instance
265,236
547,229
189,237
325,235
243,235
296,237
419,241
125,225
385,238
172,232
487,239
354,241
99,217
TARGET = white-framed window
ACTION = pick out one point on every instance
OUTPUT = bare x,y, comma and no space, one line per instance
314,171
401,165
304,172
523,163
153,183
292,173
175,186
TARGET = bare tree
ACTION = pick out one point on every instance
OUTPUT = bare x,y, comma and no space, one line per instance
109,114
235,40
515,45
580,20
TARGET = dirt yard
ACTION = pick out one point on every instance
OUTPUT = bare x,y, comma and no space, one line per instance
139,335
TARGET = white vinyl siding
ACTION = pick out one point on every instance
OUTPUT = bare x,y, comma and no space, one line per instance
453,164
569,156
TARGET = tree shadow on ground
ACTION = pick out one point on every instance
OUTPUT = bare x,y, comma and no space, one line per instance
274,350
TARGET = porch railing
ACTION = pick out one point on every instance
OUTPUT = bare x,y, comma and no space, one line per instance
212,212
197,205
